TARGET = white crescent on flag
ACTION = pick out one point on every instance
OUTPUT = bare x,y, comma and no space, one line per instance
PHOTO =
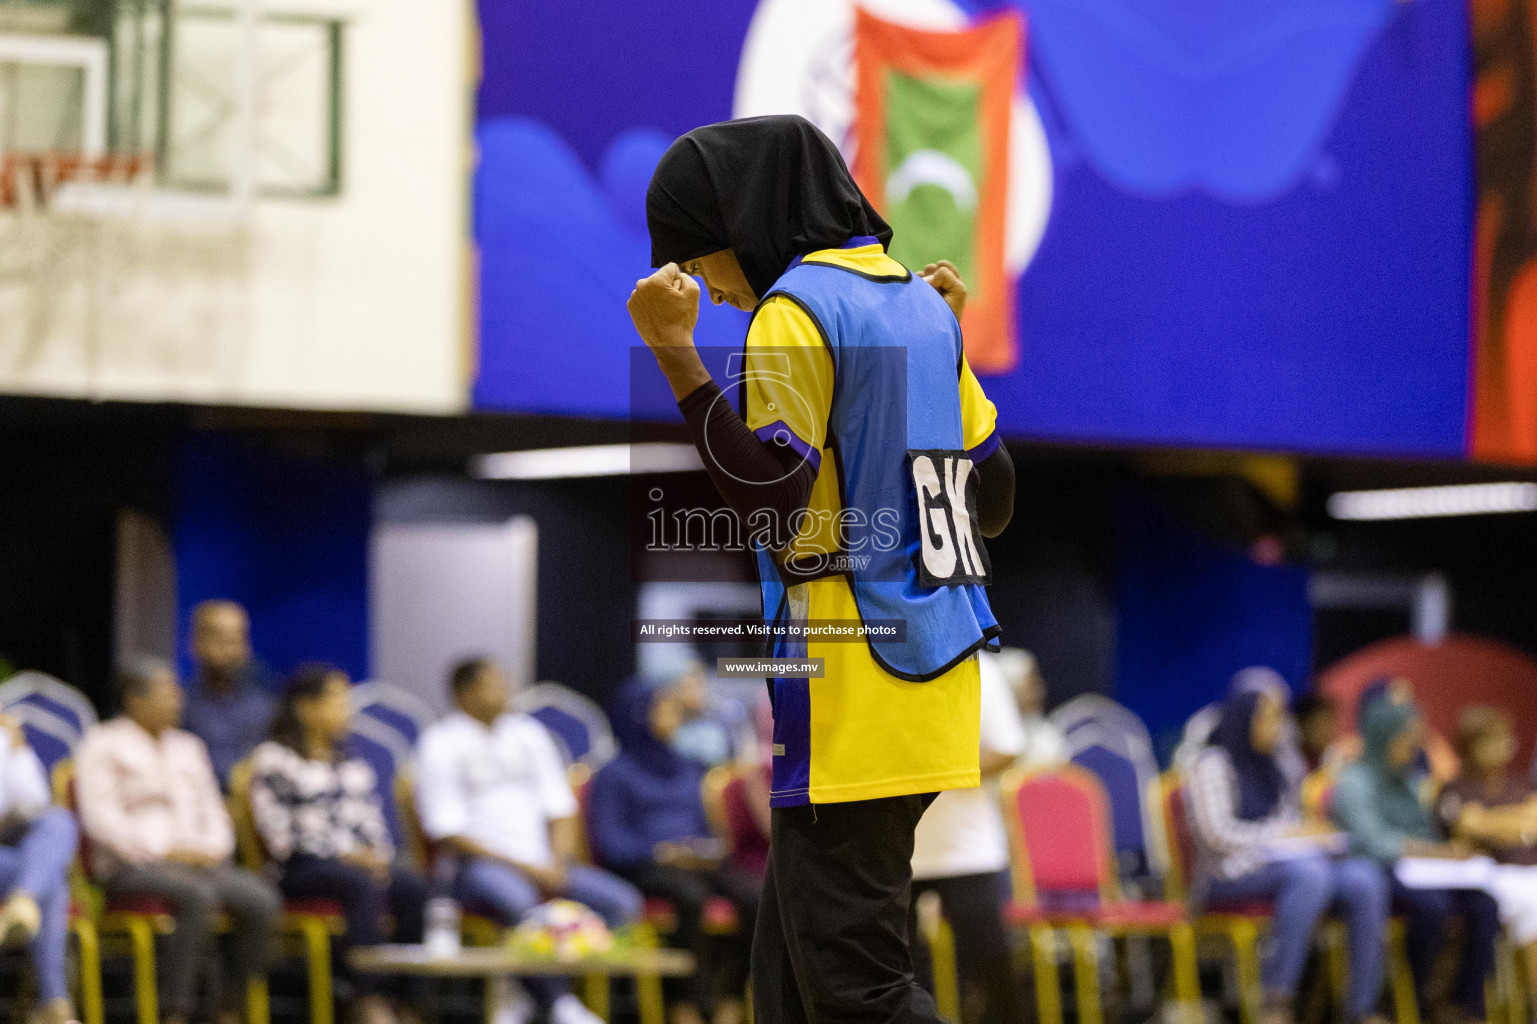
798,58
931,167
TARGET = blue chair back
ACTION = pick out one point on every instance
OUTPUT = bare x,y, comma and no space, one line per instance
1110,741
53,714
386,723
578,724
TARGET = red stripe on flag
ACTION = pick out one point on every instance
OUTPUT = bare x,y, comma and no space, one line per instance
988,53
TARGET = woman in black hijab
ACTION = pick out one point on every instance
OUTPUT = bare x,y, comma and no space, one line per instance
737,204
769,189
740,204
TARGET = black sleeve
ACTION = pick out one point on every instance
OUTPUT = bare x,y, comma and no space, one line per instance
750,474
995,492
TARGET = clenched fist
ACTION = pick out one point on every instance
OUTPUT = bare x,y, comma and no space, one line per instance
947,281
665,307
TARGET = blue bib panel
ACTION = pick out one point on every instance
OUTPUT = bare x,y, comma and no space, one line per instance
896,417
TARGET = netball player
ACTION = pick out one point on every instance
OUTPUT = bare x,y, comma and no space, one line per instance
863,456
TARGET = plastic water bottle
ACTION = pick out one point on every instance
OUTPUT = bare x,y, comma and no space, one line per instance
442,927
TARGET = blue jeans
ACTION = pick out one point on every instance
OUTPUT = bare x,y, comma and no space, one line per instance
1301,890
504,894
35,859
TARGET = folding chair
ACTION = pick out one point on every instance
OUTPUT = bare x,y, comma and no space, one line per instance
724,791
54,716
1060,845
1113,743
386,723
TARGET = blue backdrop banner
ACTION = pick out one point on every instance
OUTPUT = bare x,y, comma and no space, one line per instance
1232,222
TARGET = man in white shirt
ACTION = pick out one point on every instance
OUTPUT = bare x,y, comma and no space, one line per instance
961,852
492,791
37,844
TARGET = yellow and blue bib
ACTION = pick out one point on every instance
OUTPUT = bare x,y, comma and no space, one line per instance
858,364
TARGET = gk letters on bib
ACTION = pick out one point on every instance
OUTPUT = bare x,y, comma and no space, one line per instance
950,548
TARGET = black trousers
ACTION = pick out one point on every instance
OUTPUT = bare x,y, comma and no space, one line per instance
364,900
722,964
1428,913
973,904
831,945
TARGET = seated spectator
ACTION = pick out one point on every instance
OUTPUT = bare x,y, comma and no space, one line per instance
228,704
1251,844
704,735
1436,762
319,816
961,852
1317,723
1377,800
37,845
493,792
1043,743
648,824
1495,811
158,827
1254,679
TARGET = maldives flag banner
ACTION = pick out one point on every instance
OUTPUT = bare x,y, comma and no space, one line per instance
932,132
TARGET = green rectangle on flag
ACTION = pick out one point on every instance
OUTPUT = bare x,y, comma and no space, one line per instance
933,169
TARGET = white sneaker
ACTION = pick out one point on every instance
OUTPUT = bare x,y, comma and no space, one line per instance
568,1009
20,919
513,1003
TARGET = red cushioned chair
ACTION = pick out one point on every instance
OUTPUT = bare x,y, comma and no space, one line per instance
1064,878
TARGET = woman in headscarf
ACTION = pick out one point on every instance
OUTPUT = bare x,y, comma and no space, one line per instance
1254,679
648,823
862,455
1378,802
1251,844
1436,762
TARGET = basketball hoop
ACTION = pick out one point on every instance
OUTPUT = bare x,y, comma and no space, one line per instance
34,178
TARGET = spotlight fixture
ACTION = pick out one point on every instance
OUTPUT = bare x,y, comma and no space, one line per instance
1431,502
586,460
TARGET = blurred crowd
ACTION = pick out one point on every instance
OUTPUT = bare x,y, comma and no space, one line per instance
1282,814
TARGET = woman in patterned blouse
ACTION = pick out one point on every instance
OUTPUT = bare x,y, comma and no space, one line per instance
319,816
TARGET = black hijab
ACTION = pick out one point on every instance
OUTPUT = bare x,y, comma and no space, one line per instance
770,189
1260,781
